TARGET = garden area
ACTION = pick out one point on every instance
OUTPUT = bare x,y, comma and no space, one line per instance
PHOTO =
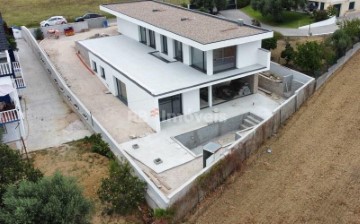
98,189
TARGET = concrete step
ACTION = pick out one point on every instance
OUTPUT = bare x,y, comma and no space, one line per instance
249,122
254,118
243,126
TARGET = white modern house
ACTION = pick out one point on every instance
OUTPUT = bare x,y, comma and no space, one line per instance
171,61
342,6
11,81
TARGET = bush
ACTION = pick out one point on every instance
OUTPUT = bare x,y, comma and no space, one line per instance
99,146
278,35
309,56
51,200
255,22
14,169
242,3
320,15
351,28
166,214
38,34
288,53
331,11
122,192
269,43
341,42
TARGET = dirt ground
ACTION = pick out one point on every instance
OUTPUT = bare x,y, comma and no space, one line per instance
88,168
313,172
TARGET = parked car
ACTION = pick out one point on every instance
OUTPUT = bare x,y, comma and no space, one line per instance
55,20
87,16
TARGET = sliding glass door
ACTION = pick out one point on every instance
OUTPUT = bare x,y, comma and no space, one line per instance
122,95
170,107
224,59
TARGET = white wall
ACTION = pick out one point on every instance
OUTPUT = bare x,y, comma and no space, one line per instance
191,101
247,54
158,42
128,29
326,22
12,132
139,101
186,54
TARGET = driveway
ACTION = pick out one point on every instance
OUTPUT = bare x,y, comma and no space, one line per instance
49,122
237,14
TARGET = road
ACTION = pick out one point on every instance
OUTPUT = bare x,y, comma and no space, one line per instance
49,121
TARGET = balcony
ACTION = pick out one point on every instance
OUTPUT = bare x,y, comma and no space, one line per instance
5,69
9,116
19,80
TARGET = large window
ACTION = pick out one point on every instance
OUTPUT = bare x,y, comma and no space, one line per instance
102,72
224,58
122,94
152,39
351,5
170,107
198,59
164,47
178,50
94,66
142,35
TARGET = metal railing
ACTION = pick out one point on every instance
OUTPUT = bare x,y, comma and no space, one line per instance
9,116
5,69
20,83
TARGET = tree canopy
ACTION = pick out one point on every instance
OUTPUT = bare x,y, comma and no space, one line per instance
13,168
275,8
309,56
51,200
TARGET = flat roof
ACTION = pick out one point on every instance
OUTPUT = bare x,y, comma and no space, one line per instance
134,61
200,27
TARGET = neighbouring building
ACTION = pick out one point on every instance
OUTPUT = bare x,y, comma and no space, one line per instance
11,81
172,61
342,6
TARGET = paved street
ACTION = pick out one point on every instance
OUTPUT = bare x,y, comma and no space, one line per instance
49,121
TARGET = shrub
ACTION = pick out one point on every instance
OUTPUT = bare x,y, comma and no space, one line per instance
341,42
160,213
351,28
278,35
331,11
288,53
255,22
13,169
38,34
99,146
122,192
51,200
184,5
269,43
309,56
242,3
320,15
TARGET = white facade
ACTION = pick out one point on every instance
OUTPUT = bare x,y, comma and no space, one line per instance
152,77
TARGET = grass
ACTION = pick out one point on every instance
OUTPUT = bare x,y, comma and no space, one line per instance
291,19
31,12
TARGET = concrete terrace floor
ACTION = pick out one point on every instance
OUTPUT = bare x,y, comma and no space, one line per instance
106,108
49,122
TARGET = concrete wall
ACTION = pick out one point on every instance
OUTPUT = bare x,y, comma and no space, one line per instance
154,196
129,29
139,101
78,27
247,54
80,49
96,22
326,22
12,132
191,101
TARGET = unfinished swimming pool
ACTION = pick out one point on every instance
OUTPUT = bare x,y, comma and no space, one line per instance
223,133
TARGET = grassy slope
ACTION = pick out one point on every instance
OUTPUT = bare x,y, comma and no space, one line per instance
291,19
31,12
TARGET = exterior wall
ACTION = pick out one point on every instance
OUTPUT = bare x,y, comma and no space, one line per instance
186,54
128,29
140,102
12,132
246,54
171,47
158,42
344,5
191,101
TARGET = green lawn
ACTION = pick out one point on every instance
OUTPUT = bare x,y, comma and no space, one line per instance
32,12
291,19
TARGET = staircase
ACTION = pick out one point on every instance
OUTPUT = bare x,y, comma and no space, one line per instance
250,120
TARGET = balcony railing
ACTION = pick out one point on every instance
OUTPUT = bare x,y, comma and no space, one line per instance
5,69
9,116
19,80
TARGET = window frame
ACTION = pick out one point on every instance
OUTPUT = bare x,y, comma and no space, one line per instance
102,73
164,46
94,66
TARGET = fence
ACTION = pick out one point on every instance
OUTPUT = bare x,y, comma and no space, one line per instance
340,62
154,196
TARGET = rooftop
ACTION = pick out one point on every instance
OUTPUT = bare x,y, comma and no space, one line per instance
125,55
199,27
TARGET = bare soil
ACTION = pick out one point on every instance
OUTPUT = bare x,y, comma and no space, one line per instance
313,172
88,168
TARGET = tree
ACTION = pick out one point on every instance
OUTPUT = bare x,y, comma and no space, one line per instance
288,53
122,191
51,200
309,56
351,28
13,169
275,8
